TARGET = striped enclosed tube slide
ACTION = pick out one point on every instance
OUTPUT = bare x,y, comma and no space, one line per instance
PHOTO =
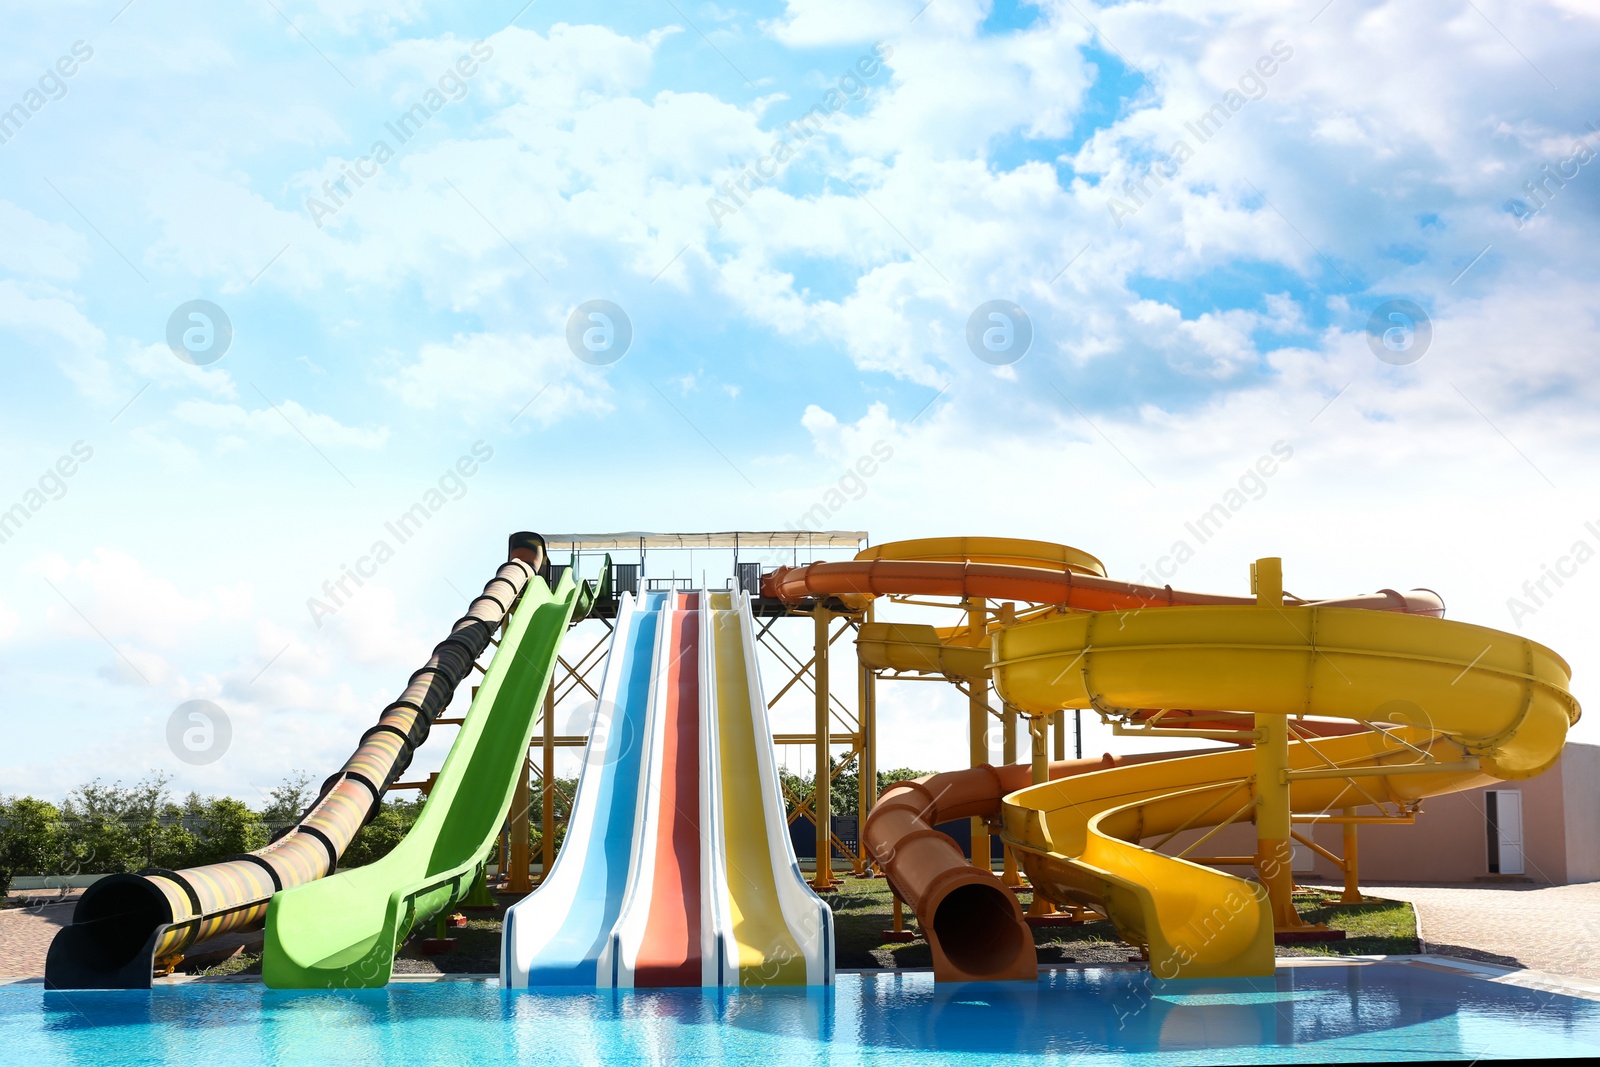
125,924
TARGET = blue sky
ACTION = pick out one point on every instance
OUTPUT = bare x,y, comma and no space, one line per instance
991,154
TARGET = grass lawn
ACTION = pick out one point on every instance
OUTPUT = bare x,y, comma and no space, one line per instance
1374,927
863,909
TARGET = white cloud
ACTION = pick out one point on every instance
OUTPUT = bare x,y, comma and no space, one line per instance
289,419
212,226
121,599
39,249
56,323
490,376
156,362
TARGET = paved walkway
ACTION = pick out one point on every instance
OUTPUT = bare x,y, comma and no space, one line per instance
25,935
1544,928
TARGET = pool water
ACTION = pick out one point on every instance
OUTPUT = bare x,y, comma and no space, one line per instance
1378,1011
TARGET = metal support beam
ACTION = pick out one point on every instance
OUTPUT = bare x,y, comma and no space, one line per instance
547,824
977,733
1274,850
1008,755
1469,764
1038,736
517,879
821,803
1352,861
867,760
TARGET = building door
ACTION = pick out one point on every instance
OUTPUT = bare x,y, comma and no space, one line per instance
1503,807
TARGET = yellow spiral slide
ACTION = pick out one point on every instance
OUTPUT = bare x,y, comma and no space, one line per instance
1450,705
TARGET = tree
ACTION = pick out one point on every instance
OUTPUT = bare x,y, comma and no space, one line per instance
211,830
844,792
31,836
31,839
376,839
115,828
566,790
288,801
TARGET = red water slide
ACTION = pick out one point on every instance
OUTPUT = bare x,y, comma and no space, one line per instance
669,953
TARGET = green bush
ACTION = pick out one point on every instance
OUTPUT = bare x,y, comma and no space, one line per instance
111,828
376,839
32,837
214,829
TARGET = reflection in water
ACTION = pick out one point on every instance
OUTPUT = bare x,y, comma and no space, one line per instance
1305,1013
345,1025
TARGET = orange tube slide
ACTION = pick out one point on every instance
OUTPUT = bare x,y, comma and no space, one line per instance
1039,585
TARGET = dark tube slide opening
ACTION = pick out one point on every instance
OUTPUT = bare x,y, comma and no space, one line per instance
112,934
530,548
977,929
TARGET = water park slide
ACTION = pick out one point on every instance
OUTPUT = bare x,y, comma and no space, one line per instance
342,931
779,931
1479,704
124,924
554,936
998,568
1007,568
661,935
714,894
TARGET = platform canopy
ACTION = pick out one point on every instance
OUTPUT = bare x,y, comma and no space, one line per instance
633,540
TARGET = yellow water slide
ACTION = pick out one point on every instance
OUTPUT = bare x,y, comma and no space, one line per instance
770,928
1452,706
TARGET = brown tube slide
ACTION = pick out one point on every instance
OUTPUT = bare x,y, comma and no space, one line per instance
972,922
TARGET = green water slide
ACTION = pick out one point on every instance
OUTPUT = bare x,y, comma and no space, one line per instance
342,931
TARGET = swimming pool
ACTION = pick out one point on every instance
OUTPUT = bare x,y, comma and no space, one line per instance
1377,1011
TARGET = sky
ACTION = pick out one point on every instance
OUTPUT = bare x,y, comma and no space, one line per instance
1069,271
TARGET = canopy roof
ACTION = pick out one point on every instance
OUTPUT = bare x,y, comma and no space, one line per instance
633,540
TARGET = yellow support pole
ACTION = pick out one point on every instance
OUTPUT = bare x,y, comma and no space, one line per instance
978,739
1274,849
547,826
821,796
1352,864
867,761
517,880
1008,756
1038,730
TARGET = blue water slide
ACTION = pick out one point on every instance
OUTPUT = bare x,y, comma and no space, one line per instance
554,936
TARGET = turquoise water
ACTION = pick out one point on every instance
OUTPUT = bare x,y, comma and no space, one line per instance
1386,1011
